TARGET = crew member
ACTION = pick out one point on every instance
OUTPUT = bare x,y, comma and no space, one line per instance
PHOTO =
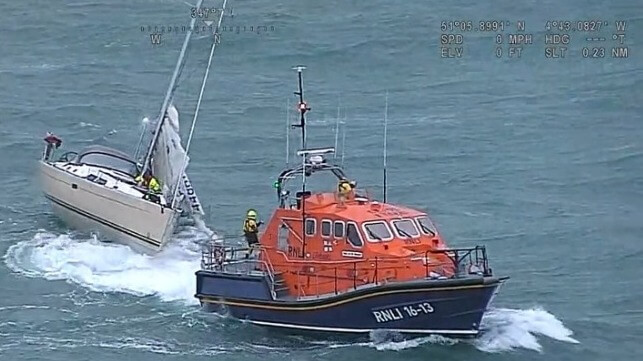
345,189
53,142
251,229
148,181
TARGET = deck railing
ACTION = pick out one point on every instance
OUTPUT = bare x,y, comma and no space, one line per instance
316,277
217,257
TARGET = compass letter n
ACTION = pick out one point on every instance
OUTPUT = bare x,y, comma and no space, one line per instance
155,39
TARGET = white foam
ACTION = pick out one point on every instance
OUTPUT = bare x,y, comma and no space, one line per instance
503,330
90,125
506,329
107,267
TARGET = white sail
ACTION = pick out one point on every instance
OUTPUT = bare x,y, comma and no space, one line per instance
169,157
168,154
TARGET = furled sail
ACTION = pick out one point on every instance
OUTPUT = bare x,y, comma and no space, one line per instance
168,161
168,156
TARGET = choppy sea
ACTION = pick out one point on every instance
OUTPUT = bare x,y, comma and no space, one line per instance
538,157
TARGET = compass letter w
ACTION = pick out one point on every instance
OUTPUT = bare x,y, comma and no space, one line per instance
155,39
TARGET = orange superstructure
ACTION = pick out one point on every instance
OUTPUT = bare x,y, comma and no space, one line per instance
344,242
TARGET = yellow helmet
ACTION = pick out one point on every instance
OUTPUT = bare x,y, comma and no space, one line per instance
251,214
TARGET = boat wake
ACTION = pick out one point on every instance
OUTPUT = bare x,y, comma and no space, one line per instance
111,267
504,330
169,275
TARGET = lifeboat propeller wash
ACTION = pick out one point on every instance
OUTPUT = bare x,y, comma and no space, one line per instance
340,261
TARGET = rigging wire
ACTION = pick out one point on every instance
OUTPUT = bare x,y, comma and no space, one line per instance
198,104
168,95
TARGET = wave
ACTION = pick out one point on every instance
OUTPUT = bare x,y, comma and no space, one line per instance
503,329
110,267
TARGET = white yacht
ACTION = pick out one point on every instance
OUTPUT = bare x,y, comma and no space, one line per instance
96,190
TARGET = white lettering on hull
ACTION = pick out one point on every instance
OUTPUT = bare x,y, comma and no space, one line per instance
399,313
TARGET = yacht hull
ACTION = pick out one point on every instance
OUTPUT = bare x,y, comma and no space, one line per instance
114,216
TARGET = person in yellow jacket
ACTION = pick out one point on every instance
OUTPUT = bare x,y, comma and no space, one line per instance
251,230
345,189
149,182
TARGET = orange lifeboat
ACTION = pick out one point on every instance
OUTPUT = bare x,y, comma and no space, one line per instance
338,260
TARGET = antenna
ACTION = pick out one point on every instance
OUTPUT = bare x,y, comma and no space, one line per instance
144,123
302,106
385,124
303,207
287,130
343,139
339,102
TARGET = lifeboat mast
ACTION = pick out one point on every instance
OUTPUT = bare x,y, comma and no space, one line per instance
303,108
312,161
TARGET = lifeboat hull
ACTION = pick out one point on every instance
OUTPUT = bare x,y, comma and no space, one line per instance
447,307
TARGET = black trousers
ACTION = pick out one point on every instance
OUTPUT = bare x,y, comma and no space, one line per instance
251,238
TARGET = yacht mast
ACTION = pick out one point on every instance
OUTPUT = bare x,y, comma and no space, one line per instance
170,92
198,103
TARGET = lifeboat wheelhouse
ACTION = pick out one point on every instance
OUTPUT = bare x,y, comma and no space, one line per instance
325,243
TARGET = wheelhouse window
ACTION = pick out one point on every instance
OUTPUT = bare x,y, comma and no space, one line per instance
353,236
405,228
111,162
338,229
311,224
377,231
426,226
326,228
